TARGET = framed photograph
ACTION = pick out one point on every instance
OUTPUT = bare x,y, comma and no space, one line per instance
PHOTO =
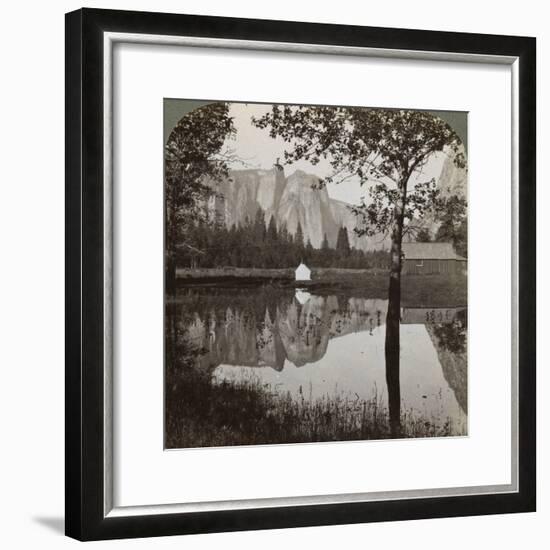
300,274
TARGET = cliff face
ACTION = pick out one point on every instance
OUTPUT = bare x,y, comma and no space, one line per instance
296,199
308,206
245,190
343,216
453,180
291,200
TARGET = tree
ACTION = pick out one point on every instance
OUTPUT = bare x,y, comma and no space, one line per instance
454,224
339,239
259,226
299,238
386,149
342,242
192,156
309,251
272,231
461,238
423,236
324,244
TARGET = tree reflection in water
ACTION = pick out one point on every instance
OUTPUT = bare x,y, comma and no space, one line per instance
452,336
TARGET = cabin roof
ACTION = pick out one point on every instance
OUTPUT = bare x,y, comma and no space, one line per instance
429,251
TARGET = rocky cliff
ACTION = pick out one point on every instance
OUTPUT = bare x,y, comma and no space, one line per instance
296,198
453,180
291,200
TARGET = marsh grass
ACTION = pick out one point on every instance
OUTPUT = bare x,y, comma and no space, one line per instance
205,412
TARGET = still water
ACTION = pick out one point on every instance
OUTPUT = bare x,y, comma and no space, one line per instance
307,346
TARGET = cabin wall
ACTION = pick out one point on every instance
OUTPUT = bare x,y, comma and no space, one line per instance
429,267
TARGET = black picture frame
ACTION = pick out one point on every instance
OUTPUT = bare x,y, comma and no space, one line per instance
84,455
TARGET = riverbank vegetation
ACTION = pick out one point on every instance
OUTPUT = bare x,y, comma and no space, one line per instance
260,243
204,412
417,290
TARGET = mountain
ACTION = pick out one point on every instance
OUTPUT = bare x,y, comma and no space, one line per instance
240,195
296,198
343,216
291,200
301,203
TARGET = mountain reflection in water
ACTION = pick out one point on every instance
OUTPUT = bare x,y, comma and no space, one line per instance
307,346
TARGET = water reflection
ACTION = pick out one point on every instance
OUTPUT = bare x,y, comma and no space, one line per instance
309,348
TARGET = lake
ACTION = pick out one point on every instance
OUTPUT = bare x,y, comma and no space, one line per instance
260,365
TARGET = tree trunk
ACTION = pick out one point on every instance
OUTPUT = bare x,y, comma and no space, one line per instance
392,343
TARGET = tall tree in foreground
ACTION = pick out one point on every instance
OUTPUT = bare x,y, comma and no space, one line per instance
193,154
388,150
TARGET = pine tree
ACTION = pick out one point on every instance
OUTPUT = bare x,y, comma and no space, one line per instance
272,230
345,242
299,237
339,241
308,255
259,226
342,242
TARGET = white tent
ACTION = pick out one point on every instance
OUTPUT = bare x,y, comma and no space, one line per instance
303,273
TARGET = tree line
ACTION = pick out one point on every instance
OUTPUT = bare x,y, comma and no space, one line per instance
261,244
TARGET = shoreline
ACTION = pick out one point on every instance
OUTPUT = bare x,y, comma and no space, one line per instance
184,273
438,290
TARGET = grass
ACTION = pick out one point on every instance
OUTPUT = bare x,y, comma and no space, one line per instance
204,413
233,272
281,277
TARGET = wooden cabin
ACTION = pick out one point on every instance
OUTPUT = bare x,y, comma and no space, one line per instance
431,258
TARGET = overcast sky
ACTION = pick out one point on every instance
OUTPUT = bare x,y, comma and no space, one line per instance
261,151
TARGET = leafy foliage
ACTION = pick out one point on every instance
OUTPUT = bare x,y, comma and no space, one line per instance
424,235
193,154
454,223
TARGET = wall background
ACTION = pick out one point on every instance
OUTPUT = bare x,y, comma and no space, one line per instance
32,280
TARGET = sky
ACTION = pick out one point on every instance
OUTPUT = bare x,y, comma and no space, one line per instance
259,150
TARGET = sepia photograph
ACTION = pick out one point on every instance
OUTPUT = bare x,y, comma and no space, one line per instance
300,267
316,273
